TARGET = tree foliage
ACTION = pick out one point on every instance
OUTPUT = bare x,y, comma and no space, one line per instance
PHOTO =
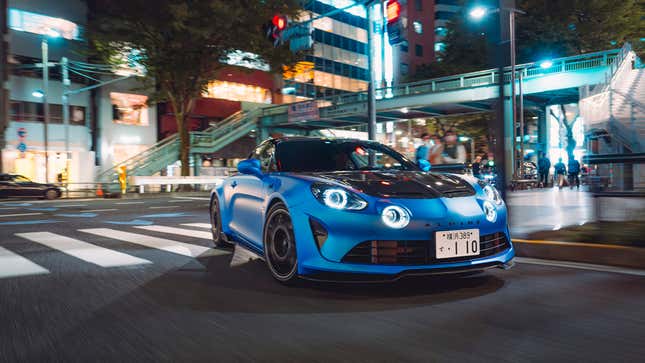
549,29
183,41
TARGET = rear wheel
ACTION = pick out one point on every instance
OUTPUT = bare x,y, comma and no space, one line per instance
280,245
51,194
219,238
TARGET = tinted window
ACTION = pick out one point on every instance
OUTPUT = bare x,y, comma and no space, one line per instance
331,155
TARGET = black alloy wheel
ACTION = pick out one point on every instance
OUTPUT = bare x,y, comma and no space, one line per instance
280,245
51,194
219,238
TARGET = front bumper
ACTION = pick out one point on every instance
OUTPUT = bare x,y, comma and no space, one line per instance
348,229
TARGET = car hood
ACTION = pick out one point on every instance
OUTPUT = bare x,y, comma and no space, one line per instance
401,184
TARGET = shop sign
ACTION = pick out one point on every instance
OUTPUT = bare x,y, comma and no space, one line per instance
303,111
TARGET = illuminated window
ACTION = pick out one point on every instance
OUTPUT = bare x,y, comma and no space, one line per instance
237,92
441,31
26,21
439,47
357,10
337,27
129,109
418,27
246,59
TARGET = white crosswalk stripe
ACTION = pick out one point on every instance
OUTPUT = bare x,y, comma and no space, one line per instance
168,245
178,231
198,225
14,265
88,252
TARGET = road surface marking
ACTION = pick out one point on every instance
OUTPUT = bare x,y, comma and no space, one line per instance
165,207
7,208
198,225
101,210
178,231
70,205
19,215
164,244
193,198
82,250
127,203
12,265
581,266
180,201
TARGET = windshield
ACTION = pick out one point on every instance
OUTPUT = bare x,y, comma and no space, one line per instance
21,179
338,155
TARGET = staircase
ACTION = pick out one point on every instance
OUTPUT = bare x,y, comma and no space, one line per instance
618,106
154,159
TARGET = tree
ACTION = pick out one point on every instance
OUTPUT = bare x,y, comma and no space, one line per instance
549,29
567,121
182,43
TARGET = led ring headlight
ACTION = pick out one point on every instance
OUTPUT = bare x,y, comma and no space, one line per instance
395,217
335,198
490,211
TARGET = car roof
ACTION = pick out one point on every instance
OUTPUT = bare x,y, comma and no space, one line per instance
317,138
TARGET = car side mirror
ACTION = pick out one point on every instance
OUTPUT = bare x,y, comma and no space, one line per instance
250,167
424,165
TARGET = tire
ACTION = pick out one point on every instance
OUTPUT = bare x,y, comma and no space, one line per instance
280,245
51,194
219,238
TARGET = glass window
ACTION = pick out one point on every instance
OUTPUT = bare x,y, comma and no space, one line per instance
405,69
439,47
129,109
418,5
418,50
418,27
234,91
404,46
21,179
441,31
26,21
340,155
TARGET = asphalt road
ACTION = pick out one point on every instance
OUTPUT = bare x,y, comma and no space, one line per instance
72,295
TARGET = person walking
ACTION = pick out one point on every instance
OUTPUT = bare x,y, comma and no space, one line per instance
436,149
424,148
477,166
574,173
453,153
544,165
560,172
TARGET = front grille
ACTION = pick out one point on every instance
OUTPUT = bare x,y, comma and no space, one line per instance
417,252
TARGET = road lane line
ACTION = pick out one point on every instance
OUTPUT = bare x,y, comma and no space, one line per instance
70,205
198,225
580,244
180,201
165,207
19,215
164,244
193,198
13,265
8,208
101,210
127,203
178,231
580,266
88,252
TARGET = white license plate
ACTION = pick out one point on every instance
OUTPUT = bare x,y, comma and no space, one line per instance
459,243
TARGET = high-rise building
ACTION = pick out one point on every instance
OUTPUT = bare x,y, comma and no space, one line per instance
444,11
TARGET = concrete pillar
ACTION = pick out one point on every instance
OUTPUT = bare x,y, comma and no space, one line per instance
508,140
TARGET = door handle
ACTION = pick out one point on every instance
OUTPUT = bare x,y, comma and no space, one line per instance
233,184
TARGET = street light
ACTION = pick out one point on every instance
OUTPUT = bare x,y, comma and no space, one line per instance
44,47
477,12
545,64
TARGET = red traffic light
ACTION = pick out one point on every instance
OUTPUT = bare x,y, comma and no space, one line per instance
393,11
280,22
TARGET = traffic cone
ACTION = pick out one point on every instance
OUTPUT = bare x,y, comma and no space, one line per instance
99,190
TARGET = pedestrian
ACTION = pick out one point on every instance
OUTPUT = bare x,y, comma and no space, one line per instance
476,166
560,172
424,148
574,171
453,153
436,150
544,165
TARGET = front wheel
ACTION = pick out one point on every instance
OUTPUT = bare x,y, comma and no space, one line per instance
219,238
51,194
280,245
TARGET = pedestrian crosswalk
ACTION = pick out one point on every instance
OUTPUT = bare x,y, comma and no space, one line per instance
89,246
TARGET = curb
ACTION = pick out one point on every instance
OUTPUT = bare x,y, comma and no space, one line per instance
599,254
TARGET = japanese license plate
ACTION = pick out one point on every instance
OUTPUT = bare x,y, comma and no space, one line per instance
459,243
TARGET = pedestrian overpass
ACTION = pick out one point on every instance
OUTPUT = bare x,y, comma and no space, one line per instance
460,94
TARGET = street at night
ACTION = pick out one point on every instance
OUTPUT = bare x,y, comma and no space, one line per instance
111,297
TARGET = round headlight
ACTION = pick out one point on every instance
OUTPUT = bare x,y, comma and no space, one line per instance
493,194
395,217
335,198
490,212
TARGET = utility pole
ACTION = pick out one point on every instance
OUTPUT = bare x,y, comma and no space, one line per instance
511,31
521,122
4,78
45,53
65,103
371,97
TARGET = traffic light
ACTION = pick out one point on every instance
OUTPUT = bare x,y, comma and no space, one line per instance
275,28
393,17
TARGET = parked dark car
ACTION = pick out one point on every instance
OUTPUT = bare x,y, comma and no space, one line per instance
12,185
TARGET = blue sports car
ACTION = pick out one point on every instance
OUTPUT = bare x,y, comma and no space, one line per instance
345,209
